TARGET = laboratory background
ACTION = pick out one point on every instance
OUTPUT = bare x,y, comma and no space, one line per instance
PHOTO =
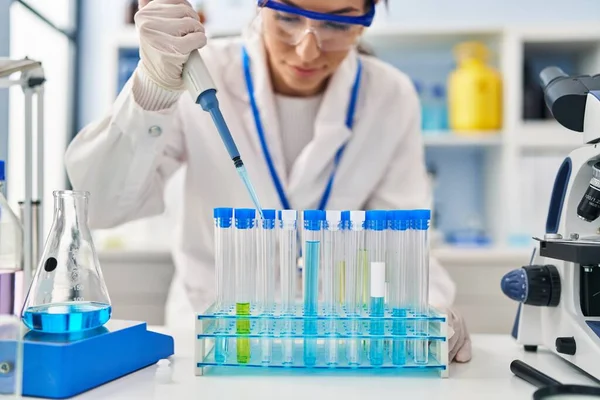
492,172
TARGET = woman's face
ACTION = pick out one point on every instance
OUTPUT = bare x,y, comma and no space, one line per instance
303,69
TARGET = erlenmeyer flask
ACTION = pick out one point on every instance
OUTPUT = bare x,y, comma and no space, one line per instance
68,293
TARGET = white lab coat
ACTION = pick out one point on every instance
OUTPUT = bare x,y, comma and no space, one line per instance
125,164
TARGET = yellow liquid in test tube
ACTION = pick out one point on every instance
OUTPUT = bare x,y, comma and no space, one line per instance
243,328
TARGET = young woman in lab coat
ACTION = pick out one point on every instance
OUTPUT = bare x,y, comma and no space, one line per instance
294,91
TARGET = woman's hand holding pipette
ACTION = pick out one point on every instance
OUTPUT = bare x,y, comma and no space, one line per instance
169,30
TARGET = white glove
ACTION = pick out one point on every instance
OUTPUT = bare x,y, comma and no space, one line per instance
459,343
169,31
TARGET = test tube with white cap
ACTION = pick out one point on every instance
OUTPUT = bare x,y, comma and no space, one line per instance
354,243
376,223
224,274
266,280
333,248
420,223
288,253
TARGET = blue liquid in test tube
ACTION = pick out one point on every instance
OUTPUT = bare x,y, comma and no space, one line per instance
313,223
376,222
398,253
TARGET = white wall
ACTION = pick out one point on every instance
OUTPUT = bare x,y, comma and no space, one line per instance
31,38
4,52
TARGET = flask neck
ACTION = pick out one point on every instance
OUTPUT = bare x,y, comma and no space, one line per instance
71,208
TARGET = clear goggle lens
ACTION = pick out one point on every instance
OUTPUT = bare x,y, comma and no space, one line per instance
293,28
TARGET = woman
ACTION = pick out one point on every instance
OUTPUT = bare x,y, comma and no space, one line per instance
294,92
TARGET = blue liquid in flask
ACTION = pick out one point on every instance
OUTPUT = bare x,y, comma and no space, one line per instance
67,317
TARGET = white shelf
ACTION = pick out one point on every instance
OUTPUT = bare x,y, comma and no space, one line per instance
482,256
547,135
471,139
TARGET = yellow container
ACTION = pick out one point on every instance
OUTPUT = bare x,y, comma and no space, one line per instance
474,91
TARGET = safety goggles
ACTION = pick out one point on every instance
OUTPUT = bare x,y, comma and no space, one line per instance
333,32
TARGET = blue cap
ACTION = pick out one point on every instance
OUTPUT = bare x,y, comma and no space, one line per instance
345,219
2,171
439,91
376,220
420,219
223,217
244,218
399,220
313,219
269,219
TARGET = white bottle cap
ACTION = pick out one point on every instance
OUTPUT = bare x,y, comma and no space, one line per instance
377,279
357,220
289,215
334,218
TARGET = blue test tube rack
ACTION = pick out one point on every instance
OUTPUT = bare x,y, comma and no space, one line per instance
213,326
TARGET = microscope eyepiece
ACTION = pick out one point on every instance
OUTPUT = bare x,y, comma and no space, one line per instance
550,74
589,206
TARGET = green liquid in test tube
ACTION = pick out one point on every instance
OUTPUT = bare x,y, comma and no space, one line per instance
245,265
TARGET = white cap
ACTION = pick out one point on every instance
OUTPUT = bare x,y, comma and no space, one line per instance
357,220
163,374
334,218
289,215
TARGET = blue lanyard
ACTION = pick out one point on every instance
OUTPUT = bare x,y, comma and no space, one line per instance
263,142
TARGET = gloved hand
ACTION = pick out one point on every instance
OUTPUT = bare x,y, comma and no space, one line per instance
459,343
169,30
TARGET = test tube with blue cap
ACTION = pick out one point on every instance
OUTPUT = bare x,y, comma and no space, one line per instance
399,281
354,243
201,87
224,274
420,225
245,264
266,279
333,256
313,239
376,224
288,253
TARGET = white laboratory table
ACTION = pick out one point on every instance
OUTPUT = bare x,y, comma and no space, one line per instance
487,376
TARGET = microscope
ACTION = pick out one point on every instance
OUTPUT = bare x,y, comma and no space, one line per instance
559,291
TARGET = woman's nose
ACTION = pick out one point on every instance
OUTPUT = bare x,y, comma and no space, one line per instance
308,49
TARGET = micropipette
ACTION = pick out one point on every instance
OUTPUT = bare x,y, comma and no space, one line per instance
201,86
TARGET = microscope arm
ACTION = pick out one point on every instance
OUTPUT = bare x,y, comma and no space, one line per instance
566,96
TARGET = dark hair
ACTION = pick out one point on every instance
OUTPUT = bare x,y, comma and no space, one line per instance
362,48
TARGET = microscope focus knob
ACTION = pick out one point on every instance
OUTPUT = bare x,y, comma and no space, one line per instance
535,285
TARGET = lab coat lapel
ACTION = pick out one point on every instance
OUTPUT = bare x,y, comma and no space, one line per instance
331,133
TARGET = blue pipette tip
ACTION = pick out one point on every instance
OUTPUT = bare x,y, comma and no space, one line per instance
2,171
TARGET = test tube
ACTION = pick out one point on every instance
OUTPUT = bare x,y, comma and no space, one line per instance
223,274
354,243
245,263
288,253
266,280
420,222
397,261
376,223
313,238
344,227
332,257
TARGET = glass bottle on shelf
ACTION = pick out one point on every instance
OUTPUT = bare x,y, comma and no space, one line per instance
11,254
